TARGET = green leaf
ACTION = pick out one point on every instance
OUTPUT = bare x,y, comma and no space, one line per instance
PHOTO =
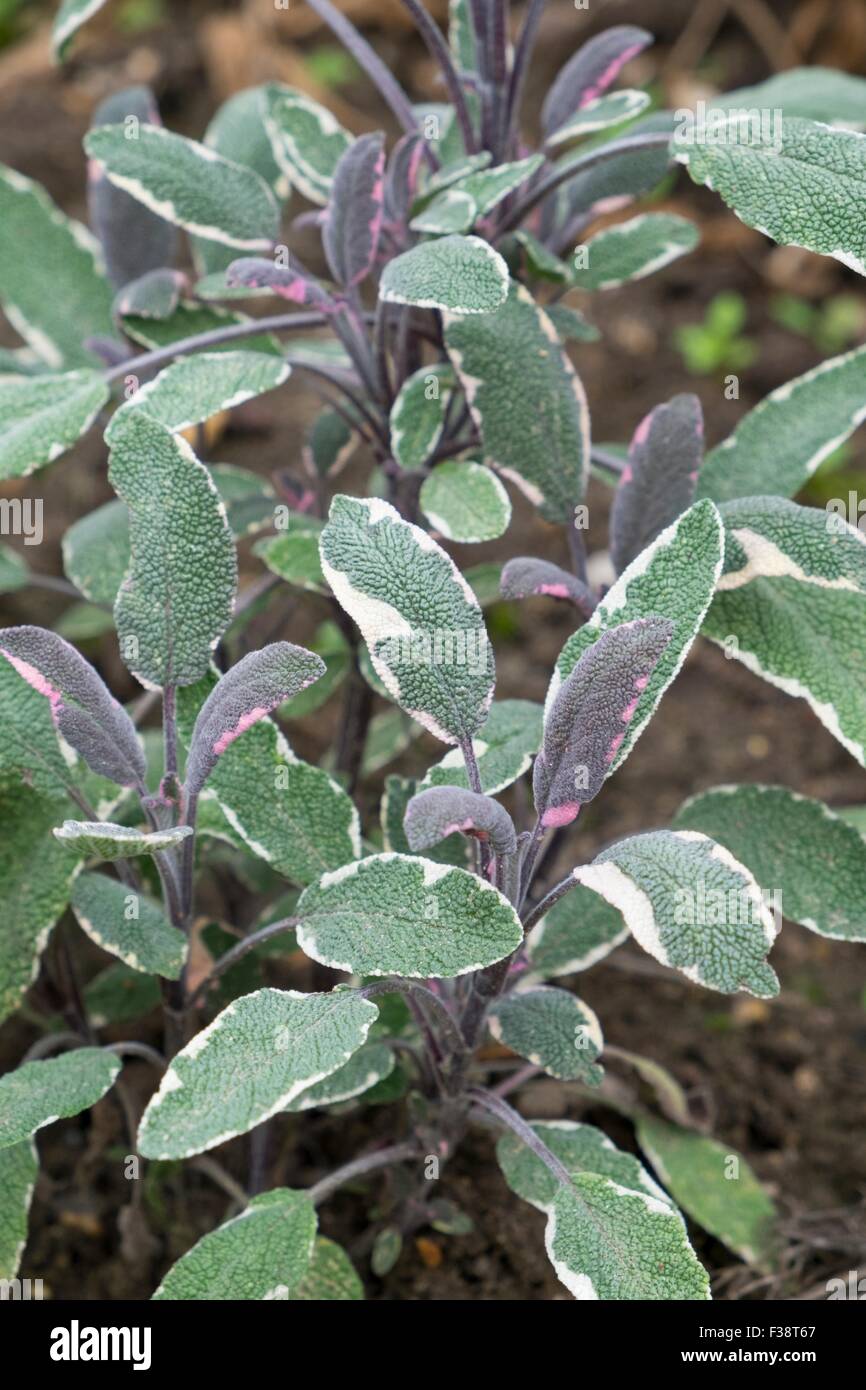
579,930
673,578
542,262
465,502
52,287
526,400
369,1065
399,791
580,1149
30,748
19,1169
461,36
714,1185
504,748
119,993
176,599
68,20
39,1093
96,552
249,498
418,414
812,858
188,321
475,195
294,555
250,1063
790,607
599,114
331,1276
571,326
421,621
778,445
396,914
14,571
804,187
307,141
460,273
689,903
820,94
43,416
102,840
260,1255
607,1242
188,184
194,388
632,250
128,925
36,875
552,1029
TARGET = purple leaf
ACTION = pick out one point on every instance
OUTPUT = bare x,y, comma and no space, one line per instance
355,211
589,73
658,483
84,711
291,283
133,239
435,814
588,719
525,576
245,694
401,178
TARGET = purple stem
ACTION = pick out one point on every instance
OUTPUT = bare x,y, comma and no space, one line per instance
509,1117
520,67
438,50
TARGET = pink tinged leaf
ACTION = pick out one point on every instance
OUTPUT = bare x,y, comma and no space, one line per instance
401,179
526,575
83,710
256,272
355,210
589,73
658,482
434,814
257,684
583,731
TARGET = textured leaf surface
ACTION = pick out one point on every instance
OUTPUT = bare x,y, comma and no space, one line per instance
608,1242
526,575
526,401
631,250
84,713
102,840
795,845
552,1029
19,1168
421,621
460,273
188,184
254,686
43,416
599,114
580,929
658,482
38,1093
176,599
804,189
331,1276
35,234
253,1060
418,414
128,925
294,556
394,914
367,1067
588,719
690,904
503,748
589,73
673,578
580,1149
438,812
353,223
262,1254
191,318
399,791
36,876
465,501
305,824
791,595
154,295
192,389
307,141
780,443
820,94
30,748
96,552
714,1185
477,193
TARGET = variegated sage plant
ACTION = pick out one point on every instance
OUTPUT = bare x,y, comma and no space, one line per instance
449,255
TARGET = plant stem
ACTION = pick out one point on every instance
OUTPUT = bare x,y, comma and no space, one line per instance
169,730
559,176
413,990
359,1167
438,50
520,67
213,338
604,459
509,1117
548,900
138,1049
248,943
